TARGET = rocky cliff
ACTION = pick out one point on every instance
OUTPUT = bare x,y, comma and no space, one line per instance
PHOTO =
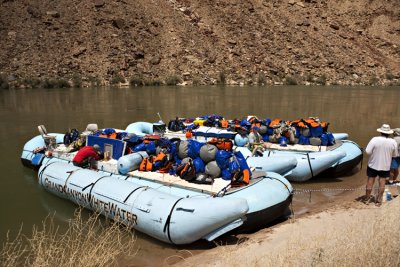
202,41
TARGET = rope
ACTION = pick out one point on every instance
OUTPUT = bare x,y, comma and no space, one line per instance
304,191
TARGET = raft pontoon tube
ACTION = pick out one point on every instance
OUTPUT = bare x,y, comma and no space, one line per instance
169,218
338,159
31,159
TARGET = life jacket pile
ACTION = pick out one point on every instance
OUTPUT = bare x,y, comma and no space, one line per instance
73,140
71,136
162,163
111,133
309,131
176,125
211,120
189,161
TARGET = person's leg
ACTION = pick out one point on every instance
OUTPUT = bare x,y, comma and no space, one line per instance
370,185
84,163
382,182
93,164
395,174
371,174
394,169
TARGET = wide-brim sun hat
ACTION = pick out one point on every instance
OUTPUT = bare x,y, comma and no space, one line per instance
396,131
385,129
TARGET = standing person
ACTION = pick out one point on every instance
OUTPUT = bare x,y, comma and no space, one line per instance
394,167
87,156
381,149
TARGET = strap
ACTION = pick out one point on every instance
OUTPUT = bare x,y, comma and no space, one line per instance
168,221
92,185
133,191
41,173
69,176
309,163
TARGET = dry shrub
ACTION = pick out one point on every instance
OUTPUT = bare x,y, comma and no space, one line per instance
85,242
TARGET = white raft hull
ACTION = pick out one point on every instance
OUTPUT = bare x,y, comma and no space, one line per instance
169,218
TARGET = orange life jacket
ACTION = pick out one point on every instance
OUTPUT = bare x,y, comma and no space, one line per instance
166,168
146,165
241,178
275,122
186,171
160,160
189,134
221,143
160,163
111,136
311,122
223,124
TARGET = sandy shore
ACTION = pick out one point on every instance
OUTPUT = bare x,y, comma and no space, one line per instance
306,239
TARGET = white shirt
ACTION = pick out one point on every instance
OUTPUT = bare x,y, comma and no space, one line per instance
255,137
381,150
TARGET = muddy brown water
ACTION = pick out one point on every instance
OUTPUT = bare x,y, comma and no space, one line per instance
359,111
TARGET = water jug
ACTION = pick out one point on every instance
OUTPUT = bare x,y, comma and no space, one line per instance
388,195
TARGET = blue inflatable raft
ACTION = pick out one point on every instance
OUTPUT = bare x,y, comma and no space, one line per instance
267,196
297,163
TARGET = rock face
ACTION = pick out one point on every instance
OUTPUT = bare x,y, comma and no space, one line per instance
344,42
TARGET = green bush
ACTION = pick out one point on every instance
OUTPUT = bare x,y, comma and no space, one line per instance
222,78
136,81
94,81
261,79
3,82
373,80
153,82
31,82
77,80
48,83
172,80
290,80
117,79
309,78
62,83
196,81
321,80
55,83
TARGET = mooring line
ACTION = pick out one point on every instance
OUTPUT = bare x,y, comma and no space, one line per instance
304,191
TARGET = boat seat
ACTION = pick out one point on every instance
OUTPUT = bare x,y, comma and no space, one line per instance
49,140
90,128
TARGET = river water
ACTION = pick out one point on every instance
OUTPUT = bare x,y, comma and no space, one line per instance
359,111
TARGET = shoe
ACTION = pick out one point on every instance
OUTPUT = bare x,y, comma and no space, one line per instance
378,203
368,200
259,153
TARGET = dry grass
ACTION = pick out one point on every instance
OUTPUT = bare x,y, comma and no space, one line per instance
85,242
371,240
